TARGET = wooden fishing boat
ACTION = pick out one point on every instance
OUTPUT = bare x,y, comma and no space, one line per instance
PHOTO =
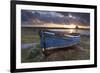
53,39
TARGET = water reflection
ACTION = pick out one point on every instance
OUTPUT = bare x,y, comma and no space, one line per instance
71,30
81,31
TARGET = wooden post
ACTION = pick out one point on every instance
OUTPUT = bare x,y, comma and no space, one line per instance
76,28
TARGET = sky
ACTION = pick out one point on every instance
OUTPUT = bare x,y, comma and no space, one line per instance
55,17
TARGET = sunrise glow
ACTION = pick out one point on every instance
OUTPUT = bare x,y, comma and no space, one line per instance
72,25
71,30
51,25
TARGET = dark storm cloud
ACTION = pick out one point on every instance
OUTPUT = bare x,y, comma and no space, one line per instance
56,17
83,17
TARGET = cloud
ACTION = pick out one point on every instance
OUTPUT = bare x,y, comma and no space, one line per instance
49,13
